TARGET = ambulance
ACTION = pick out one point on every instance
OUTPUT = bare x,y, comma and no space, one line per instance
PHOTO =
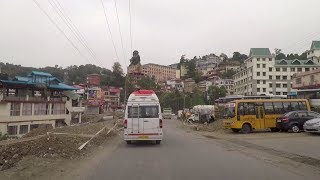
143,117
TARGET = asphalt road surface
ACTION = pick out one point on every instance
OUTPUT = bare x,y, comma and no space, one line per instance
183,155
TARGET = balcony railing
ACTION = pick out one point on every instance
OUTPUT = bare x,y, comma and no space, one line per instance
32,99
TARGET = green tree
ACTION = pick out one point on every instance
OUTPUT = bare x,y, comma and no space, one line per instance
214,92
148,83
280,56
228,74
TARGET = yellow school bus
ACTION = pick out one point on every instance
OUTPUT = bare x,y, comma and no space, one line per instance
250,114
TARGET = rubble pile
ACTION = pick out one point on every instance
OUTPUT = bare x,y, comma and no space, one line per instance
89,128
211,127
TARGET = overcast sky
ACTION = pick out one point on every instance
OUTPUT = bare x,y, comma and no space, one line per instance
162,30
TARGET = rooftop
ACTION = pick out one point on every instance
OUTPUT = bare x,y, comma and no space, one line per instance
295,62
315,45
259,52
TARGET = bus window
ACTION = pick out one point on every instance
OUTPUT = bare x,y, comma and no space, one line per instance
250,109
302,105
268,108
278,108
241,109
295,106
287,107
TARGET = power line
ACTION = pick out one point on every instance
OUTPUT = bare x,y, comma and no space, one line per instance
60,11
119,27
108,26
62,32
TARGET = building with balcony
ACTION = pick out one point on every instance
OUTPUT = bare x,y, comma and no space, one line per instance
208,64
307,80
37,100
262,74
226,83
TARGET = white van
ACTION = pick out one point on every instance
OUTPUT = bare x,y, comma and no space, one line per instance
143,119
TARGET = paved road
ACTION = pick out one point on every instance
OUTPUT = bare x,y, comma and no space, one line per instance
186,156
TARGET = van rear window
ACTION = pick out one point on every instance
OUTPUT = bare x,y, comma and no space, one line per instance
143,112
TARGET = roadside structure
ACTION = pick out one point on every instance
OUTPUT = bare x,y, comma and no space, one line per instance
37,100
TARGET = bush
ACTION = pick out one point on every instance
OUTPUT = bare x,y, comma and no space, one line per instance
3,137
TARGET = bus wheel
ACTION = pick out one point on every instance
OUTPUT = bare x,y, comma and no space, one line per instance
246,129
274,129
235,130
294,128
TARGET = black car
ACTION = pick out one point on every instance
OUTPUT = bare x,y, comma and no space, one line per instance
293,121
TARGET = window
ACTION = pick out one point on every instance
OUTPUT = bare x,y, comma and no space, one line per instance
295,106
270,77
284,93
26,109
284,77
278,93
307,69
41,109
58,108
277,69
263,59
258,65
284,69
277,77
270,69
12,130
302,106
143,112
299,69
278,107
264,81
284,85
298,81
264,73
270,85
268,107
34,126
15,109
258,73
258,89
258,59
263,65
287,106
264,89
313,114
246,109
258,81
278,86
293,69
301,114
23,129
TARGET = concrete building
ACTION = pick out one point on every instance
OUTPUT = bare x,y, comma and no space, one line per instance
112,98
95,103
35,101
208,64
307,80
226,66
227,83
189,85
176,84
262,74
159,72
93,80
183,70
203,86
314,52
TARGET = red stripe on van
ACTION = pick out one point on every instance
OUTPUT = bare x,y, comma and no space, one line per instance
143,134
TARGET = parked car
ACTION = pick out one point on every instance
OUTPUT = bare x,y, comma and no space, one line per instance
293,121
312,126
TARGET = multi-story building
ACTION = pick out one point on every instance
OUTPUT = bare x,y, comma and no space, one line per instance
203,86
159,72
226,83
208,64
176,84
189,85
112,98
262,74
314,52
227,66
93,80
35,101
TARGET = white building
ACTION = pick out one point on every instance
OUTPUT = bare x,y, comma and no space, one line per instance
314,52
208,64
227,83
262,74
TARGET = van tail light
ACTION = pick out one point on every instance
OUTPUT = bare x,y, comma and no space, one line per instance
285,120
160,123
125,124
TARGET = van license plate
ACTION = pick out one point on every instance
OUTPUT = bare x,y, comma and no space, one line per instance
279,120
143,137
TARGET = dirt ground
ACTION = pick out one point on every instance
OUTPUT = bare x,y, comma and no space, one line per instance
59,143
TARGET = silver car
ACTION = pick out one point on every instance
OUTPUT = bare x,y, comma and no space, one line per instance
312,126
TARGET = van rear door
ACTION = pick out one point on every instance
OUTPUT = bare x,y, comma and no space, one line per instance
134,124
150,115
